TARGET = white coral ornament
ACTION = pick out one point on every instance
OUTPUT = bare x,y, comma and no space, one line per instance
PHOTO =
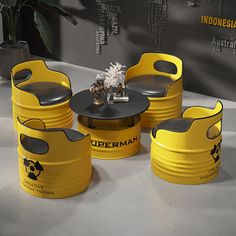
114,74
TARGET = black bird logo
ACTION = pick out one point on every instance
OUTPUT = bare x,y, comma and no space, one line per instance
216,151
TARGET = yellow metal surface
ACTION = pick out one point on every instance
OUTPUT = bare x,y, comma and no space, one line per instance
65,170
112,139
161,108
192,156
26,106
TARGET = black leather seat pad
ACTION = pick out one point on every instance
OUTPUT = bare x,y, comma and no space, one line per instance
48,93
150,85
175,125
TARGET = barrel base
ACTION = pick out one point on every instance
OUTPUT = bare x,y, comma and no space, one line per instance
162,109
74,191
185,166
184,180
112,139
54,180
54,116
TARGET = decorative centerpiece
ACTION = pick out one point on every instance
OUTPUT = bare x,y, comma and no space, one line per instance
109,86
114,129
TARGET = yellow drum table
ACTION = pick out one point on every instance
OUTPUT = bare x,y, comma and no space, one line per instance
115,129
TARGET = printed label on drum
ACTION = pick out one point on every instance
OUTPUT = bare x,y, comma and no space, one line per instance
34,170
211,172
36,188
102,144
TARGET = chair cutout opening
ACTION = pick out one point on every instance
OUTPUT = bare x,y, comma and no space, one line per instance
214,130
21,76
165,66
34,145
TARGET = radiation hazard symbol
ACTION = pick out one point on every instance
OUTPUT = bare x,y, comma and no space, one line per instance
32,168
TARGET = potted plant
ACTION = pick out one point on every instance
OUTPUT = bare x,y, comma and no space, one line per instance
14,51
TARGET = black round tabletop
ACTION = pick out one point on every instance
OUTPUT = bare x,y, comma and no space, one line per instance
82,104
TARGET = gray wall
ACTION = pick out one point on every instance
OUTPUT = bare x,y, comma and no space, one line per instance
78,43
205,70
1,30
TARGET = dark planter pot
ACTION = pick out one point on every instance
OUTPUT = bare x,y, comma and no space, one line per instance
12,54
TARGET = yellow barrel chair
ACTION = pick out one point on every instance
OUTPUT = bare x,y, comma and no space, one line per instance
53,163
187,150
42,94
163,88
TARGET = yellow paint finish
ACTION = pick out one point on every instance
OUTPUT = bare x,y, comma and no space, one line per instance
66,166
186,157
161,108
112,139
26,105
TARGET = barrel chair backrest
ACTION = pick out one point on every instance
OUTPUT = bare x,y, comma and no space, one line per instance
56,139
43,94
51,164
204,129
154,77
147,65
39,72
207,122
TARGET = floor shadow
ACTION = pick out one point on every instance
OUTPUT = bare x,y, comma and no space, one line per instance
22,214
146,130
101,185
99,175
228,163
143,151
222,176
141,155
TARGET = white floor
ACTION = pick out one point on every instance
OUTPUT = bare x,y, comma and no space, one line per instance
124,198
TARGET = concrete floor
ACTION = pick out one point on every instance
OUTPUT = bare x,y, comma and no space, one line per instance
124,198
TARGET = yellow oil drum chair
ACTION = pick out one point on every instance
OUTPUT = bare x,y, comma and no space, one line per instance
163,88
53,163
42,94
188,150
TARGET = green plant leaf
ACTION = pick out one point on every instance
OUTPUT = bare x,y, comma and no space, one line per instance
63,12
48,1
8,3
50,6
44,30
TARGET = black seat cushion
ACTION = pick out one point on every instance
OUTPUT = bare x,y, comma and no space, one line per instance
150,85
175,125
34,145
48,93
